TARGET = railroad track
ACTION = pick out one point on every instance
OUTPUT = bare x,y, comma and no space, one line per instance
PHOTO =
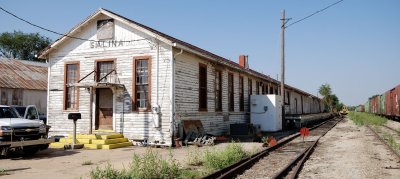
383,140
394,130
284,159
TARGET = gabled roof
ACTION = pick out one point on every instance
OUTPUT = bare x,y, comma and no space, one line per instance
23,74
169,40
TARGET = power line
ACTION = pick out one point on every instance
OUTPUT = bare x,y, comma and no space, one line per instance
54,32
314,13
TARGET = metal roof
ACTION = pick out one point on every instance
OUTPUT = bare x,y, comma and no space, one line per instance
173,40
23,74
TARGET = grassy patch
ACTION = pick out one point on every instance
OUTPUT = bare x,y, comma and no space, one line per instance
190,173
151,165
108,172
194,157
219,159
392,142
366,119
87,162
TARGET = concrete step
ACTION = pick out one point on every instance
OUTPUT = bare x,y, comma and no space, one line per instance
117,145
85,136
111,136
92,146
78,141
109,141
57,145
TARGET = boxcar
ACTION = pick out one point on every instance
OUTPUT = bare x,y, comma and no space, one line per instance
392,102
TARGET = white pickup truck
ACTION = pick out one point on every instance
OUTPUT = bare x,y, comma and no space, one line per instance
17,133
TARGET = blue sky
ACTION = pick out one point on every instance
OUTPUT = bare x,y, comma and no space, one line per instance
354,46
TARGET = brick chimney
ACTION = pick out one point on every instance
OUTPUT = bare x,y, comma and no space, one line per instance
243,61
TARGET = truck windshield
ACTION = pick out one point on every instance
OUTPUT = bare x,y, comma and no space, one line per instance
7,112
20,110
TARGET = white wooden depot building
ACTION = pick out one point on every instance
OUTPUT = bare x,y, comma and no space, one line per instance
125,77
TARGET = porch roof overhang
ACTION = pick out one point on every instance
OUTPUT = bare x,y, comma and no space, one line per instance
98,85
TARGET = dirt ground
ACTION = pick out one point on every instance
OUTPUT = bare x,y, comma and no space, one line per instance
58,163
349,151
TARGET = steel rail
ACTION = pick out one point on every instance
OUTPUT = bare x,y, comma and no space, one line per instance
236,168
390,128
383,141
301,158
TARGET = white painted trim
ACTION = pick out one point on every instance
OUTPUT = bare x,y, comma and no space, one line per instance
114,106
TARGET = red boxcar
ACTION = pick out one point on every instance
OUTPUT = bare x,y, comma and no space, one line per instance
393,102
374,104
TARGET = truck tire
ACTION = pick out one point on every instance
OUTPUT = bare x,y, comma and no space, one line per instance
30,150
44,146
4,152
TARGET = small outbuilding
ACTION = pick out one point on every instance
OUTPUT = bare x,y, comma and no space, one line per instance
23,83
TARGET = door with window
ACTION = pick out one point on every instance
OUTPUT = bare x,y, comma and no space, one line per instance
104,109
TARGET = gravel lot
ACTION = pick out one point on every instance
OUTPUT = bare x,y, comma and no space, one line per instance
57,163
349,151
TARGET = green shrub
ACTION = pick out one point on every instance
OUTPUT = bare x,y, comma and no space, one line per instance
107,173
189,174
366,119
220,159
151,165
392,142
195,158
3,172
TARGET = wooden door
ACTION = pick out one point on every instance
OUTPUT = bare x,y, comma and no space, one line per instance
104,109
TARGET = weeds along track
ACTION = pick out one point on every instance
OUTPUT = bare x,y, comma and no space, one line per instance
278,161
392,138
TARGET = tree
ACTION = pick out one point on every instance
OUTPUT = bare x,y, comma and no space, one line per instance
326,91
336,104
23,46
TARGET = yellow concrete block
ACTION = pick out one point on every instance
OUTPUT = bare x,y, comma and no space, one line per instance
104,131
92,146
112,136
109,141
118,145
79,141
57,145
84,136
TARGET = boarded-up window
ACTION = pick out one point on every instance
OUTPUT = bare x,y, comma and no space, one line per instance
287,97
202,87
241,94
71,91
250,90
231,105
105,29
257,87
142,84
105,71
271,90
4,98
17,97
218,90
262,88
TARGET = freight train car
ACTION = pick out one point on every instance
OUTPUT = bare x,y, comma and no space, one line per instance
360,108
393,102
386,104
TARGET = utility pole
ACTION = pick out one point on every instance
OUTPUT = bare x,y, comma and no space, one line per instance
283,67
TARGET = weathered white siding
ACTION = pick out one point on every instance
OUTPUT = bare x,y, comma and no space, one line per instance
187,95
134,125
